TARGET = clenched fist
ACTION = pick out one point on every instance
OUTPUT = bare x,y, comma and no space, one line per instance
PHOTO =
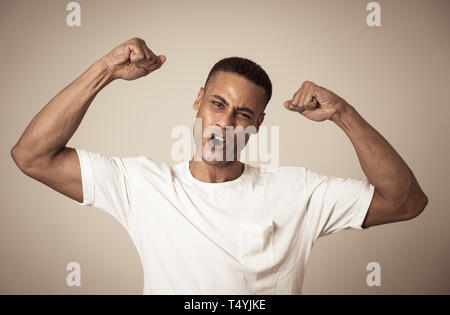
315,102
132,60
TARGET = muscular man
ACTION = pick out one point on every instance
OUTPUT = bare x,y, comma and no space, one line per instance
219,226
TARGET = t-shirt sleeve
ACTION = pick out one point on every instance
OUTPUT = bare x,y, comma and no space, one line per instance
336,203
108,183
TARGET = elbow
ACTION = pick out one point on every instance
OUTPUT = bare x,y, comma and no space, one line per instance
417,206
19,157
423,203
416,202
15,155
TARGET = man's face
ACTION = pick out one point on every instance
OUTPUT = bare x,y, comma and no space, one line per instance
229,100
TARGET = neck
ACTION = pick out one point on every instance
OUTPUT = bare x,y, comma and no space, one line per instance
216,173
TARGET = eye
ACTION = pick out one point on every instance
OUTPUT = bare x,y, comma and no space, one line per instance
218,104
245,115
221,106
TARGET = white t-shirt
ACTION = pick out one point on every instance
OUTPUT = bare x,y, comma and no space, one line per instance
251,235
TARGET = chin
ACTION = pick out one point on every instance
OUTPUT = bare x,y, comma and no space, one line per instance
216,162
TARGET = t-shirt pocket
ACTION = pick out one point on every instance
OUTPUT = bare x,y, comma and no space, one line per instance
256,248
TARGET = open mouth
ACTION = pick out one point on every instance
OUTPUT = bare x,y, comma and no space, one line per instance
217,142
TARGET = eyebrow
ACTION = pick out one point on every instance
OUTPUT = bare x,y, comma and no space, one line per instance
244,109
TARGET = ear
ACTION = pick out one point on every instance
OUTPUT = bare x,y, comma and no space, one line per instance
260,120
199,99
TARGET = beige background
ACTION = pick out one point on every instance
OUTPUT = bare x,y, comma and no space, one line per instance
396,76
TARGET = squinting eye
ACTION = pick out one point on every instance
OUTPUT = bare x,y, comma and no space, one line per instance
246,116
220,105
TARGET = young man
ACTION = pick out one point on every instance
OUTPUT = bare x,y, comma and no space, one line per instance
213,225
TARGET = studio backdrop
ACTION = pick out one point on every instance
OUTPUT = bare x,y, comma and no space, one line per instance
388,59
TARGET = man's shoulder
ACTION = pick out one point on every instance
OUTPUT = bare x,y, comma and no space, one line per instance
151,164
140,165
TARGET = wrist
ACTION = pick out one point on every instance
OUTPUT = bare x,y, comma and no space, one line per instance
105,69
100,74
339,116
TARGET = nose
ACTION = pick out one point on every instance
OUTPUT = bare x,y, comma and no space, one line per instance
227,119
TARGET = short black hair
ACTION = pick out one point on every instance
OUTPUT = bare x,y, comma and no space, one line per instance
245,68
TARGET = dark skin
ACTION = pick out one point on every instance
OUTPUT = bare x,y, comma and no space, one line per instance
397,195
229,100
42,154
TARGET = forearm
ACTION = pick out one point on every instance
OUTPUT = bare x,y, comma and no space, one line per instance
382,165
54,125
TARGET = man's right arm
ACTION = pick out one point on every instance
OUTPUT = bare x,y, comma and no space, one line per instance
41,151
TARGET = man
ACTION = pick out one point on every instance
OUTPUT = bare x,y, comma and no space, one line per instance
212,225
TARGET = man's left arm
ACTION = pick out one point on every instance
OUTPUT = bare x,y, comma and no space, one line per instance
397,195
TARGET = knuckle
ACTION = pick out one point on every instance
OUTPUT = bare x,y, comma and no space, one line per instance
308,84
136,40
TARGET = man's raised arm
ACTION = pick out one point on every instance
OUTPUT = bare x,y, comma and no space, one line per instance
41,151
397,194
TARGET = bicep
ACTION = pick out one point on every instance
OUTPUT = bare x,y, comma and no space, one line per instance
383,211
61,173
